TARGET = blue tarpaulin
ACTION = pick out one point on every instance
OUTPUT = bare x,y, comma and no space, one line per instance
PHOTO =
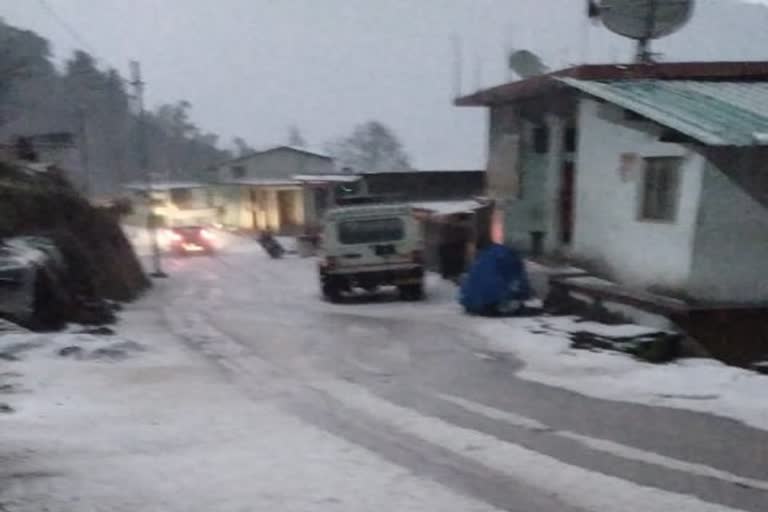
496,279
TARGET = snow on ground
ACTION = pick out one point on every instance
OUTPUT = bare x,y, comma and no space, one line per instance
703,385
161,430
578,487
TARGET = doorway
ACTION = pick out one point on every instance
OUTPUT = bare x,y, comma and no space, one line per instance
286,208
567,200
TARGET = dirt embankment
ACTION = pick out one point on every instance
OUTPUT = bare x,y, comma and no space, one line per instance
99,262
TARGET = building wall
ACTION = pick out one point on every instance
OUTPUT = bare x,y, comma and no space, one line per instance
607,232
534,208
426,185
277,164
527,213
731,243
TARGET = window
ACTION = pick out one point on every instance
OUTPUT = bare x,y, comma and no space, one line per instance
569,139
371,231
659,192
238,171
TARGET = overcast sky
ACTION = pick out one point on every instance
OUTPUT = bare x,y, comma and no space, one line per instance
254,67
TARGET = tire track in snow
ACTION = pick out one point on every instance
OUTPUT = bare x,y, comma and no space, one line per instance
606,446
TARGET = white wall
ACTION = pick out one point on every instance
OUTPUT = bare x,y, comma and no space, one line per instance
607,230
278,164
731,247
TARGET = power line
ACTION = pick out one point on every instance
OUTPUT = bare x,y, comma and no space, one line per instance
79,39
69,28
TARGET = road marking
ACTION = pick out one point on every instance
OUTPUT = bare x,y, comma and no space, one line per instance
574,485
606,446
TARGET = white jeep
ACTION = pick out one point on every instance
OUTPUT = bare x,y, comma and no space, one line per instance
371,246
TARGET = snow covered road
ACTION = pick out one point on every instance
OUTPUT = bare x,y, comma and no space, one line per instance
255,395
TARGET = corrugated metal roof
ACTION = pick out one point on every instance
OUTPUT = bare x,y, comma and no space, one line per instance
164,185
330,178
714,113
546,84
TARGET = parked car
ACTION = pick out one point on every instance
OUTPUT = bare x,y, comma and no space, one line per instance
371,246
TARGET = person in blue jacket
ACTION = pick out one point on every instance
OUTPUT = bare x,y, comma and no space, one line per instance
497,282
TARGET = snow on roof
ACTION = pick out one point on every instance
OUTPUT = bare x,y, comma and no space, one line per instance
339,178
448,207
253,154
416,171
363,210
164,185
265,182
310,151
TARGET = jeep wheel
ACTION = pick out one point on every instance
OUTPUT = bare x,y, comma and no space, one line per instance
411,291
331,292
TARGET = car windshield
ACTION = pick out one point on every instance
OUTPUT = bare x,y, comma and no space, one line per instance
371,231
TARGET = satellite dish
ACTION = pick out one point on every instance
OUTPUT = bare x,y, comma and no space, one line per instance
526,63
645,20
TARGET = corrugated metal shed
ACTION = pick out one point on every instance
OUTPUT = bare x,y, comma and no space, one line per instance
715,113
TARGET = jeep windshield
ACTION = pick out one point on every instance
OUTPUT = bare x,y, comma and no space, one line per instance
371,231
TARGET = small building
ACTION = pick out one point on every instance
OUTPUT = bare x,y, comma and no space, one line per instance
426,185
324,191
258,192
447,203
174,203
654,175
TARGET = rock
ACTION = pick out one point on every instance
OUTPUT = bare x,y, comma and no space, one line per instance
108,353
87,256
5,356
72,350
7,388
98,331
761,367
6,409
660,347
129,346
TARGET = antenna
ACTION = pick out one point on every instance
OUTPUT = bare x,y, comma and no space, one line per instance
478,72
644,20
457,71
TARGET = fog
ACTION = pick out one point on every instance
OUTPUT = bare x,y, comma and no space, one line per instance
253,68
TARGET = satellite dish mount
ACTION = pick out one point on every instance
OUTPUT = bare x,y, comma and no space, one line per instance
644,20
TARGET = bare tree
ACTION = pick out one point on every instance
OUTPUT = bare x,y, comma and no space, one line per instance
371,147
241,147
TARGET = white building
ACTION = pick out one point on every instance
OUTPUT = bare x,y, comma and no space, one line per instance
652,175
258,191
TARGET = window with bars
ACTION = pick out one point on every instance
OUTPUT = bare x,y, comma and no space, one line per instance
660,189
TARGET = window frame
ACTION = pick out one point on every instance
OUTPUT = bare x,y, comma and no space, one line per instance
343,236
673,179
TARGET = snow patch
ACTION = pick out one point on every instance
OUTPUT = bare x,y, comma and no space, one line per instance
703,385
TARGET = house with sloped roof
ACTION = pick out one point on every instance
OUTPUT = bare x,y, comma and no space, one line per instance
258,192
652,175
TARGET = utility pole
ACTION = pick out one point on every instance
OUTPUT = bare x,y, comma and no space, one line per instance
138,91
82,130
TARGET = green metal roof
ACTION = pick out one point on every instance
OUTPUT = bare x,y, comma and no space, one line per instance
714,113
